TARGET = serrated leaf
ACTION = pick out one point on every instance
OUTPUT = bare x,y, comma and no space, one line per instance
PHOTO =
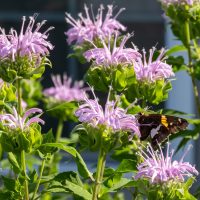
70,175
82,167
77,190
72,188
13,161
127,165
72,151
119,185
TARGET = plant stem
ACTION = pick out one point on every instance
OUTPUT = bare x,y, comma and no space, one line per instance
59,130
23,164
99,173
191,68
39,178
23,158
52,163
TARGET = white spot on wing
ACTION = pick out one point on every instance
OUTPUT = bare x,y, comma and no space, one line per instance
154,131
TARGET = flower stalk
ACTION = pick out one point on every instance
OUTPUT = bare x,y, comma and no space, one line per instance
191,68
59,130
99,173
23,164
39,179
23,158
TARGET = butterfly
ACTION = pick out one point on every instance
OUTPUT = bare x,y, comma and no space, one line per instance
158,127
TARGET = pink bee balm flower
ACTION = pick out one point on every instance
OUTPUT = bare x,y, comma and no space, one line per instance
158,168
112,116
87,28
29,42
153,70
15,121
113,55
63,90
5,45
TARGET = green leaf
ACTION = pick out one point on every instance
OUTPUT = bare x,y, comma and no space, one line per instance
127,165
175,49
61,110
72,151
87,138
13,161
188,184
98,78
119,185
77,190
82,167
23,142
125,152
47,138
72,188
10,184
56,187
70,176
33,177
10,195
119,80
177,63
6,142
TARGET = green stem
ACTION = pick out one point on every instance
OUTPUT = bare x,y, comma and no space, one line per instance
99,173
195,43
23,159
23,164
191,68
59,130
39,178
53,161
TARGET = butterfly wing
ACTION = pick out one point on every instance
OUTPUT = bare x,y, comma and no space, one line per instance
176,124
159,127
147,123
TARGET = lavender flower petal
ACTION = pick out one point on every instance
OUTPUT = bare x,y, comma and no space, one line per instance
30,42
91,112
63,90
153,70
15,121
87,28
30,112
158,168
111,56
35,120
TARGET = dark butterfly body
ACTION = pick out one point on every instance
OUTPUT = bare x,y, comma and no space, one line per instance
159,127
